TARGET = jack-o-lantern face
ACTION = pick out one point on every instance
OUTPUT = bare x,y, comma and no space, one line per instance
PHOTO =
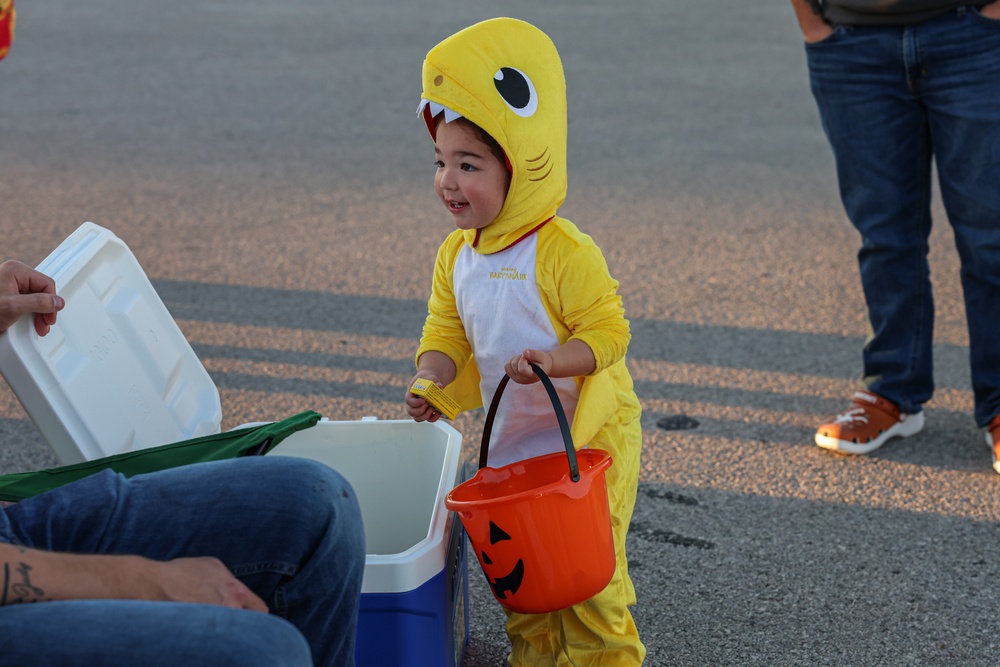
510,582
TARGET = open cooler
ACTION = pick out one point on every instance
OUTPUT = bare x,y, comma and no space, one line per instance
414,595
116,374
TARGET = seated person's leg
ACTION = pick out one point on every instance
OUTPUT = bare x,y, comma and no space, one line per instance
98,633
289,528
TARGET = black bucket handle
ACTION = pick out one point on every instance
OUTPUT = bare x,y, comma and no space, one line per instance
574,468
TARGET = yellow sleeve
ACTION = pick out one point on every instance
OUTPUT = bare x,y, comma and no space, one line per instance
580,294
443,329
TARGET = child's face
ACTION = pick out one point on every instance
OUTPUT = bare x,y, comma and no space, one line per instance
470,180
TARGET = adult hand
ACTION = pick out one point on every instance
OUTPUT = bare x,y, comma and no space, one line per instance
24,290
991,10
814,26
814,33
203,580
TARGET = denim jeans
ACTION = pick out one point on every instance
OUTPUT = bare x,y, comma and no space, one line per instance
892,99
289,528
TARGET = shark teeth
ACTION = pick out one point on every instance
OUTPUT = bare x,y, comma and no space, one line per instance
436,109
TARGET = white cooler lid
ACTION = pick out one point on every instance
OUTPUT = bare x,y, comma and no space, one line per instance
115,373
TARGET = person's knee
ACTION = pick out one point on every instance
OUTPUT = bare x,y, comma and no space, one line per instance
323,496
227,637
303,481
262,640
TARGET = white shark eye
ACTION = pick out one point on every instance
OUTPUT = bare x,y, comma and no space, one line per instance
517,91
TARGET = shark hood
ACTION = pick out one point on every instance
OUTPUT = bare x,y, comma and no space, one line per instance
505,76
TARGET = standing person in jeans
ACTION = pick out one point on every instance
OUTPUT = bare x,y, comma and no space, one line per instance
255,561
899,83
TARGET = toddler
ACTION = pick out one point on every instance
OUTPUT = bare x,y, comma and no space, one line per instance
515,285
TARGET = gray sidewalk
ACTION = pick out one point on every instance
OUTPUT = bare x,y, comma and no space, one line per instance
264,163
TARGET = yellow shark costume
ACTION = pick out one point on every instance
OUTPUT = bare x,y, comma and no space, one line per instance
531,279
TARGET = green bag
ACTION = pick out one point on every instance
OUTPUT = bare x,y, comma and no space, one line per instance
249,441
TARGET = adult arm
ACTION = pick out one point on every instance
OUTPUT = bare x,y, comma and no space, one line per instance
32,575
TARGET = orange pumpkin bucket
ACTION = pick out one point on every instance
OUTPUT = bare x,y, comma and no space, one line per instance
540,528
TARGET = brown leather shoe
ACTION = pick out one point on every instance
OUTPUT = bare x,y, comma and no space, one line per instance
867,424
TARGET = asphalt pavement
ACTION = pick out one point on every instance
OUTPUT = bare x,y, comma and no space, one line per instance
264,163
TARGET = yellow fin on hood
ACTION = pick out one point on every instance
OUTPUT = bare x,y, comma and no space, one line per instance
505,76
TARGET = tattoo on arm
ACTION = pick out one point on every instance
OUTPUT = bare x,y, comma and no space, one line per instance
17,587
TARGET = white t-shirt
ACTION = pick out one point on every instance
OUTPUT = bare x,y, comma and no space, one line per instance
498,301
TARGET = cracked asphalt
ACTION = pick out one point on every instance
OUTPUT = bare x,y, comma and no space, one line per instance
264,163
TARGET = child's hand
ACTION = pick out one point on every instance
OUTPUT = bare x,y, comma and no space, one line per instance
519,367
417,406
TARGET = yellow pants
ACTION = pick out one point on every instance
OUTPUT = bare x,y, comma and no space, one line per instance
599,632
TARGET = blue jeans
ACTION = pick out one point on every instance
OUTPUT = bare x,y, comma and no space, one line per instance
289,528
891,99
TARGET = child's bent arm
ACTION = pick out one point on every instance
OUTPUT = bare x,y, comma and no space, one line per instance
571,359
436,366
